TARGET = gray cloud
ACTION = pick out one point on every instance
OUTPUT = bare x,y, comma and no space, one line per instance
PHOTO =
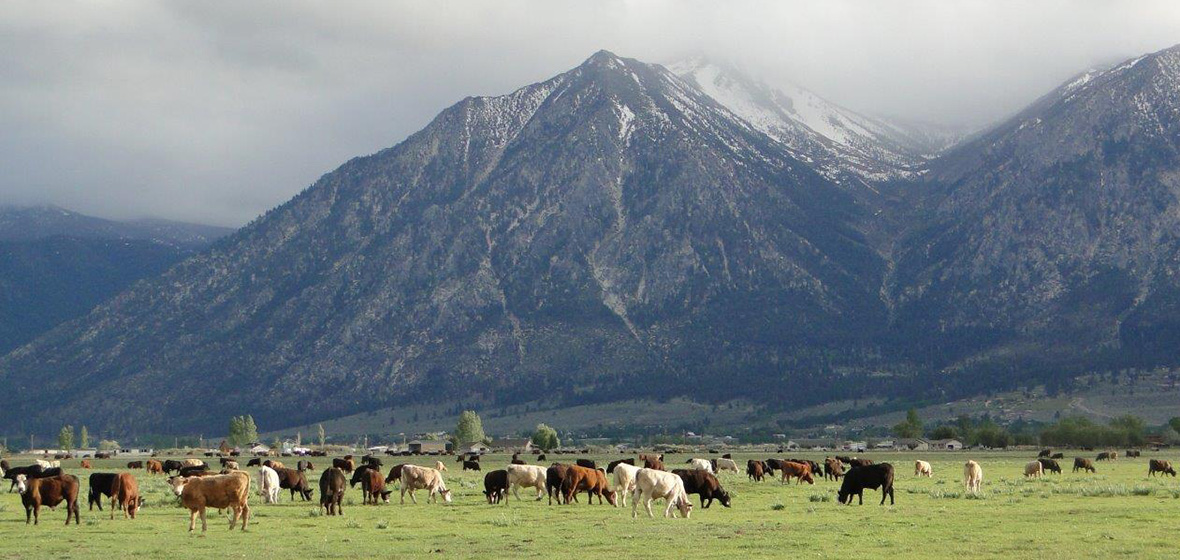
214,112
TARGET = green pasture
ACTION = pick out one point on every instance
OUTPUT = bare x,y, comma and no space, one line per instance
1117,513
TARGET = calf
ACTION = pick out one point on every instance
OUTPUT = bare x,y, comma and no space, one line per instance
154,467
135,464
395,473
50,491
873,477
704,485
333,484
1160,466
1034,469
1083,464
1049,465
85,463
922,468
228,491
651,484
495,486
125,495
972,476
802,471
100,486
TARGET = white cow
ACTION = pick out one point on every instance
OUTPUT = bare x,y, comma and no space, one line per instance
439,466
625,481
922,468
724,464
48,464
701,465
416,478
527,476
972,476
268,481
651,484
1034,470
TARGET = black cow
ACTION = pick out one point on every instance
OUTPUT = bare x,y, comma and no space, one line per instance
860,462
1057,456
816,469
495,486
360,473
173,465
1083,464
30,471
610,468
471,465
371,460
196,470
100,486
1049,465
586,463
867,476
255,462
703,484
304,466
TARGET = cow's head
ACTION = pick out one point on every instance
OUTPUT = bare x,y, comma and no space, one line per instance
446,494
611,497
723,497
22,483
177,484
807,476
684,505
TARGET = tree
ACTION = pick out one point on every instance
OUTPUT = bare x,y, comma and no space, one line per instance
65,438
298,439
235,431
1175,423
108,445
84,438
322,436
242,430
944,432
250,431
470,428
546,438
911,427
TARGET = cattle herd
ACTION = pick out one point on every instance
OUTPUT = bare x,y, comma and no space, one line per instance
642,480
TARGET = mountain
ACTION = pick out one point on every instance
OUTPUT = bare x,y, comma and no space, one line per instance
606,234
25,223
1054,239
56,265
845,146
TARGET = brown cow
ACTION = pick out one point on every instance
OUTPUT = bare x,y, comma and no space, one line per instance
154,467
395,473
592,481
802,471
86,463
49,492
125,495
1083,464
230,491
344,464
653,463
1160,466
833,469
554,478
755,469
135,465
373,487
333,484
295,481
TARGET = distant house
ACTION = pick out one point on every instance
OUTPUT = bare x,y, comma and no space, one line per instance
857,446
259,448
883,444
512,445
810,444
475,447
428,447
911,444
946,444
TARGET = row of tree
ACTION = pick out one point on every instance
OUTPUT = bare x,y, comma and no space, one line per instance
1075,431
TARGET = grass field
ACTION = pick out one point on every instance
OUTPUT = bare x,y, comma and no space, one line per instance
1119,513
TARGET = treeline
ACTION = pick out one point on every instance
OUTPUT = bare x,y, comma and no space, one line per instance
1075,431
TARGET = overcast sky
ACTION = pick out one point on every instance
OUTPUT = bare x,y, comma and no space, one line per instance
214,112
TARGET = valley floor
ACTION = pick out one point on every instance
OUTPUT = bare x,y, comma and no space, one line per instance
1119,512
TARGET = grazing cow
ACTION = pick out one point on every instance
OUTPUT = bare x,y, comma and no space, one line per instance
844,459
295,481
1049,465
471,465
273,464
653,463
586,463
255,462
417,478
172,465
802,471
610,467
700,465
85,463
1104,456
395,473
373,486
592,481
1132,453
495,486
1034,469
268,483
526,476
651,484
439,466
972,476
304,466
194,463
922,468
1083,464
100,486
625,481
860,462
154,467
857,479
1044,453
135,464
51,491
1160,466
704,485
541,457
816,468
554,477
227,491
833,468
232,465
333,484
345,464
194,470
371,460
755,469
125,495
1057,456
724,464
773,465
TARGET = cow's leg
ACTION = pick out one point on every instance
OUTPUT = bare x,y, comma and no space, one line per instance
671,504
516,487
403,494
204,522
192,520
245,515
647,505
412,498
